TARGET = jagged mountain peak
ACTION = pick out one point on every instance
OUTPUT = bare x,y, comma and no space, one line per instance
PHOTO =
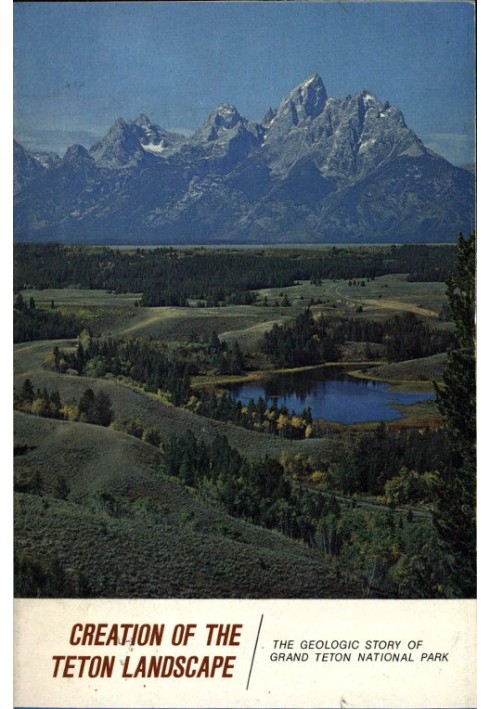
223,118
345,138
119,124
306,100
225,114
316,169
120,130
76,152
129,143
223,125
143,121
366,101
368,97
313,81
127,126
26,167
120,147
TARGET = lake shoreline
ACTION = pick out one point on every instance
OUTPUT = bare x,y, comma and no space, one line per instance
330,395
223,381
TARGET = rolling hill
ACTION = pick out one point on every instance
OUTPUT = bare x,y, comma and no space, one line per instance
127,531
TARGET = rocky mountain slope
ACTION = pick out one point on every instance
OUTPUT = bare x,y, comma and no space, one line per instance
316,169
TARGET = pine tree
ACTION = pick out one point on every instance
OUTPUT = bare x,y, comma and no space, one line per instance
103,413
455,506
86,407
236,359
62,490
27,391
19,303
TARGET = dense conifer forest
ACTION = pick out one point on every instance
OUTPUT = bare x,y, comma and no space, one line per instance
32,323
167,276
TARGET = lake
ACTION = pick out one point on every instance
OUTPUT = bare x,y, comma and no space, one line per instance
331,394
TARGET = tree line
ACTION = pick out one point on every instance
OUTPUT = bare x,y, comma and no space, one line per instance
253,415
33,323
153,365
383,552
309,341
167,276
159,368
95,408
374,460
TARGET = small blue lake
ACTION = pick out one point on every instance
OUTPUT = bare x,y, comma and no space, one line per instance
331,394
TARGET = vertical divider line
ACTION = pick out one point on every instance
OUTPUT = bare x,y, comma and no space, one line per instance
254,653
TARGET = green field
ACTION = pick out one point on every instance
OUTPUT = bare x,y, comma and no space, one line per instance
117,314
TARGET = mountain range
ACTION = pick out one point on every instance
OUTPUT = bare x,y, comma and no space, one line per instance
316,169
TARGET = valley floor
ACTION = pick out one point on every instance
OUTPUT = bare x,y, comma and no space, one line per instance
94,514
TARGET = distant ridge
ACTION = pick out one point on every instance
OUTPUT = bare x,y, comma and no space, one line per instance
316,169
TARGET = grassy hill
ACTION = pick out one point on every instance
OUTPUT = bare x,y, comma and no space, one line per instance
424,369
150,409
126,531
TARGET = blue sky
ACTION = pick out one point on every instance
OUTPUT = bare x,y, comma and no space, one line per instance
79,66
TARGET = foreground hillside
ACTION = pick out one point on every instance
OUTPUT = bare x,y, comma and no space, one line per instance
127,531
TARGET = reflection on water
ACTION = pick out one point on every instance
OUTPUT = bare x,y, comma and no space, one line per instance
331,394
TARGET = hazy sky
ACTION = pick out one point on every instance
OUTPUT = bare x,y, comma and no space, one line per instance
79,66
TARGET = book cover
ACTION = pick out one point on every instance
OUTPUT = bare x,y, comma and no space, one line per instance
244,354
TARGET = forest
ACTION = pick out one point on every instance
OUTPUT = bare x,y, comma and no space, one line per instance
387,509
167,276
31,323
311,341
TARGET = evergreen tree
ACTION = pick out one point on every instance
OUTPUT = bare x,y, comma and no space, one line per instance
236,359
455,508
86,406
215,344
103,412
19,303
27,391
